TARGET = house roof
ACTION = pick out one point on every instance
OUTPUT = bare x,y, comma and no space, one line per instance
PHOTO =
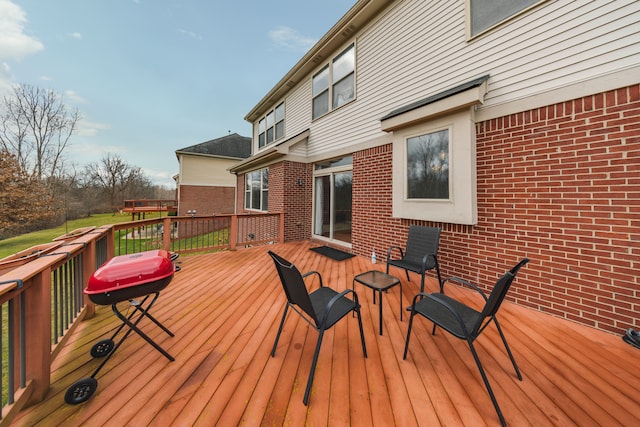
272,153
437,97
230,146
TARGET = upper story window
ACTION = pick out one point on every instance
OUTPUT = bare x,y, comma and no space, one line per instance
485,14
334,85
271,127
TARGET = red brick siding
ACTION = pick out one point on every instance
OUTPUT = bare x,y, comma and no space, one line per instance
558,184
290,191
206,200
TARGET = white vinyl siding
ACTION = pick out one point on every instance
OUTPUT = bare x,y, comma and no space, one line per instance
416,49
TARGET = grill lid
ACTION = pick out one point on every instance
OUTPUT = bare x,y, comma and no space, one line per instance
126,271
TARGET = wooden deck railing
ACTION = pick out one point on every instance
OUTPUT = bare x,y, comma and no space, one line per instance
42,301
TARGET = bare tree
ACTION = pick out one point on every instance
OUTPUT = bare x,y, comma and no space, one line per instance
35,127
116,178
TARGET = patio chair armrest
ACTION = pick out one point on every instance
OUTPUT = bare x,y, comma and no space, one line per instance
309,273
335,298
444,304
426,258
464,283
391,248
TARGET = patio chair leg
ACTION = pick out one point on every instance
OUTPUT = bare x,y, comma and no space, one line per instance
284,316
486,384
406,343
312,372
364,346
506,346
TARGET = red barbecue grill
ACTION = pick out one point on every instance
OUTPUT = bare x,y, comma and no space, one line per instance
124,278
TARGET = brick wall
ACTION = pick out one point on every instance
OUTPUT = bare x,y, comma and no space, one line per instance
290,188
206,200
290,191
558,184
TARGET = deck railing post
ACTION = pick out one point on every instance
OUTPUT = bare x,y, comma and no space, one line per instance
166,233
281,230
233,232
38,338
88,268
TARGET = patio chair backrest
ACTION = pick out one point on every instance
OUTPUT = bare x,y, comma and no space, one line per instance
420,242
293,285
499,292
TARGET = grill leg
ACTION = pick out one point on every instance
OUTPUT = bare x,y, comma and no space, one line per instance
134,327
145,312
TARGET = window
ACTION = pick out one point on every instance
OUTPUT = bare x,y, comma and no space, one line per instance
487,13
271,127
256,190
436,170
335,82
428,166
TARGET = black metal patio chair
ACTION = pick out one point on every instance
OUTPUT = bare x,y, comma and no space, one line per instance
464,322
421,253
321,308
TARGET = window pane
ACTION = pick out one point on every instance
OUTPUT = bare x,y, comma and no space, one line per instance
344,64
321,104
280,112
270,120
428,166
348,160
265,201
261,140
343,91
321,81
487,13
269,135
255,189
261,126
279,129
265,179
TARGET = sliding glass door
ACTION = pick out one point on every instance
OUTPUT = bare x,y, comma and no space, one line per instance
332,200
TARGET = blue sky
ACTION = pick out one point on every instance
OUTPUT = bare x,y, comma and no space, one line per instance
153,76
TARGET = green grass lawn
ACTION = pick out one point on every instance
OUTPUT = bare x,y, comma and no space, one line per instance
18,243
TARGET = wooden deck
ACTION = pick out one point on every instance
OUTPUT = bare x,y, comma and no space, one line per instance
224,309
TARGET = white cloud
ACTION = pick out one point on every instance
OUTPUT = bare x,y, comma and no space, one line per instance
190,34
89,128
14,43
290,39
72,96
75,35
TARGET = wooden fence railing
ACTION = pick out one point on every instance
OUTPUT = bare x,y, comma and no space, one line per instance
42,301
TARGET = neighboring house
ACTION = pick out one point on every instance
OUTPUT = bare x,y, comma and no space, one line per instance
513,125
204,182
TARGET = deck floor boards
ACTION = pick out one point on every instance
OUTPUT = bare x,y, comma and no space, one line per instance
225,309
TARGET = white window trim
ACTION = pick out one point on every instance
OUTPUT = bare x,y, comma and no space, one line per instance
249,190
275,123
471,36
329,64
462,207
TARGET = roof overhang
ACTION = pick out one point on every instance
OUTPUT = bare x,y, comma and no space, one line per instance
270,154
344,30
453,99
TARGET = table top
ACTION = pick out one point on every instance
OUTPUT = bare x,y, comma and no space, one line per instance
377,279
